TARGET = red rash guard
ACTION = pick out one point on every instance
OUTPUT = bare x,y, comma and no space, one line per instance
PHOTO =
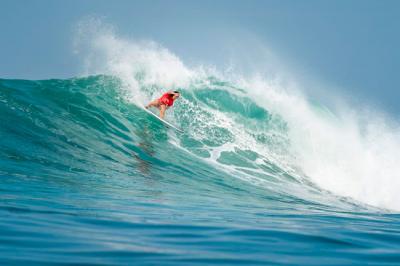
166,99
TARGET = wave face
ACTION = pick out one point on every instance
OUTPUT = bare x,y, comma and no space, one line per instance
89,177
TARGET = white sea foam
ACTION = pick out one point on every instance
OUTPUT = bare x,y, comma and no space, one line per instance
356,154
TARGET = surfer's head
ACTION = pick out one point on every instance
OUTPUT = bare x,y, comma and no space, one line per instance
175,94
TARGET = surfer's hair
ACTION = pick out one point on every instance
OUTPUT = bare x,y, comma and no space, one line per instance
172,93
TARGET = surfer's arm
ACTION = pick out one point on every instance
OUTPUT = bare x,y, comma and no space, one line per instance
163,107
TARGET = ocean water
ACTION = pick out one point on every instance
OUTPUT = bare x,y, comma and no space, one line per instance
87,177
262,175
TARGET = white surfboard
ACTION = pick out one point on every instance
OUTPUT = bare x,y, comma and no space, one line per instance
165,122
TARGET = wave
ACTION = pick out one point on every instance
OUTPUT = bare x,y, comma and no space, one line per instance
257,130
89,128
350,151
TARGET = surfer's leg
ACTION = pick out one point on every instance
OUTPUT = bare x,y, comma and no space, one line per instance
154,103
163,107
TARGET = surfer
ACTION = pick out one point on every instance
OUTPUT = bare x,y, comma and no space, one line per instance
164,102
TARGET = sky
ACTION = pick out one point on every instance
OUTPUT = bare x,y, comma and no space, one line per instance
350,46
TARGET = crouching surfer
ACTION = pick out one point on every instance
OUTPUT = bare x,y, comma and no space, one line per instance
164,102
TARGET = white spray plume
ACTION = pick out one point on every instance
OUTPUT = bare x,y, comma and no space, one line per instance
133,61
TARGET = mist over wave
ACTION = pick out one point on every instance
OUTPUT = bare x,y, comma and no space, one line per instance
246,125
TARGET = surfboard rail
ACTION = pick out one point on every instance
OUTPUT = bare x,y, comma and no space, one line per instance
165,122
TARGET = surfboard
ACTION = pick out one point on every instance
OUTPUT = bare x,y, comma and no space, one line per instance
165,122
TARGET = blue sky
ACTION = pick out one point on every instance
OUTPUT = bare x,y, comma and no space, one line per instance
351,45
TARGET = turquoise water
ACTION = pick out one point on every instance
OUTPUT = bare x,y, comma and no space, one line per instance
87,177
